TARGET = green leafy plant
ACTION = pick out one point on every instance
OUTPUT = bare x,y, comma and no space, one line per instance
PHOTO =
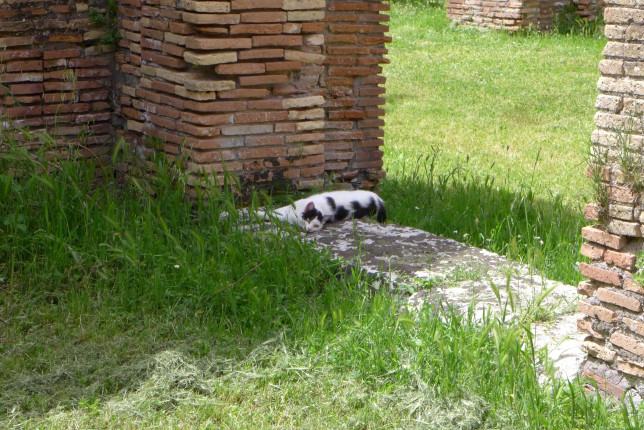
107,18
568,21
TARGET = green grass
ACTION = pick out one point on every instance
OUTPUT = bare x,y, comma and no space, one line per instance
122,310
506,120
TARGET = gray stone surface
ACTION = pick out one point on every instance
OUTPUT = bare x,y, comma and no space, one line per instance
442,271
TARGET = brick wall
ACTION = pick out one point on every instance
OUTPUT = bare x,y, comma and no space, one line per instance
280,93
514,14
54,73
284,93
613,305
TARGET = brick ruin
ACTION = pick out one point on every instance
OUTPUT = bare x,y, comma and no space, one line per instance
280,93
614,300
516,14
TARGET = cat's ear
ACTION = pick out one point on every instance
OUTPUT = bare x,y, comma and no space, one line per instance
309,207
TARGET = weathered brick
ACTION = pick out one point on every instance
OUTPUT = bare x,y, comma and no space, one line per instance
302,102
256,4
206,119
256,29
628,343
205,6
258,117
594,234
630,368
599,351
599,274
201,59
241,69
620,259
586,288
604,384
304,4
236,130
278,40
585,325
597,312
619,299
263,17
218,43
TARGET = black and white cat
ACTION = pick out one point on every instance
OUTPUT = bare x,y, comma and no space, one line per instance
313,212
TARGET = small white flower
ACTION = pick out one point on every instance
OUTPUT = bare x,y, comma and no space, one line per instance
417,208
176,266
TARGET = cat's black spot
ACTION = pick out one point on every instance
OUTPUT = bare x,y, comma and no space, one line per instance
341,213
310,214
381,216
331,202
363,211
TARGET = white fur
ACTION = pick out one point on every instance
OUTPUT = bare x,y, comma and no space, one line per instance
292,214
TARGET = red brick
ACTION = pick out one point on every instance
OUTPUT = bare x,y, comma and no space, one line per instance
240,68
198,131
207,119
9,55
242,130
604,384
592,251
61,53
93,73
265,104
66,38
586,288
166,123
622,194
218,106
628,343
263,17
181,28
261,152
602,275
256,29
281,40
218,43
619,299
8,42
22,111
244,93
247,81
630,285
597,312
258,117
594,234
256,4
313,27
585,325
591,212
280,66
20,89
620,259
266,140
253,54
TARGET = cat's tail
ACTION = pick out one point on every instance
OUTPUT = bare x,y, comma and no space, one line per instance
381,214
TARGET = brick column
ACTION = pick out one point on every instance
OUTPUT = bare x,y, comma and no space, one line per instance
280,93
55,74
613,305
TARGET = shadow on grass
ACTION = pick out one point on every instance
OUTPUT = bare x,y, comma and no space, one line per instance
543,233
102,286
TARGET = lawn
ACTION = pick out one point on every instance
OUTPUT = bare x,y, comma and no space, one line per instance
123,310
505,121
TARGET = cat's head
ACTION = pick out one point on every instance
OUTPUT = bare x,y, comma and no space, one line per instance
312,218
